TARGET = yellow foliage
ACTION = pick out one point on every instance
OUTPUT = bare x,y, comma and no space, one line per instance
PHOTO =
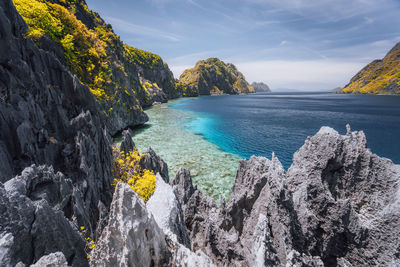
126,168
89,243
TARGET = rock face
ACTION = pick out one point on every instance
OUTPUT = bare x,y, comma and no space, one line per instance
118,75
131,237
127,143
378,77
55,154
34,208
213,76
167,212
151,161
56,259
260,87
337,205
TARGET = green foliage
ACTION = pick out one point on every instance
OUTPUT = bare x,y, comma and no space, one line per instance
126,168
84,49
215,75
141,57
95,54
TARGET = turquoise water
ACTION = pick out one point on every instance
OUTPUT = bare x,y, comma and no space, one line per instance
175,135
259,124
209,134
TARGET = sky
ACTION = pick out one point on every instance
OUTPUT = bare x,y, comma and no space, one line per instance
294,44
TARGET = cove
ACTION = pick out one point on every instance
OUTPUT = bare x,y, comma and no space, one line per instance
170,133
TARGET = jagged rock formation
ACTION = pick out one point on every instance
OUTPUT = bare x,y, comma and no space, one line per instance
378,77
213,76
260,87
48,119
151,161
34,208
167,212
131,237
338,205
122,78
146,235
127,143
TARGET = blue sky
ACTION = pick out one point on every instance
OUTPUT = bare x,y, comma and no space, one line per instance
298,44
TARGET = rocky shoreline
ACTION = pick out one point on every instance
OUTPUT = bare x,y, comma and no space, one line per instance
337,205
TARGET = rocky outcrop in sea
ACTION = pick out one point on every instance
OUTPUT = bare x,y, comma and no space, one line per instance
213,77
260,87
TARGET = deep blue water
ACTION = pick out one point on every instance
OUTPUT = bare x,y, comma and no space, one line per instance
259,124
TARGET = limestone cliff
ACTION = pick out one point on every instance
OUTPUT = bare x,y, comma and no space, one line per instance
260,87
378,77
213,76
122,78
55,153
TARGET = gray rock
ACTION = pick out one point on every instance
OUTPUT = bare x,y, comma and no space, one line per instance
47,117
347,199
56,259
167,212
127,143
32,214
184,257
151,161
131,237
6,242
337,205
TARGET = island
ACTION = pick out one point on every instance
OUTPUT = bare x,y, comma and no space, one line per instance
261,87
213,77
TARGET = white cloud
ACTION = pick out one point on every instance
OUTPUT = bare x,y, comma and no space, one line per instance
177,70
309,75
303,75
326,10
128,27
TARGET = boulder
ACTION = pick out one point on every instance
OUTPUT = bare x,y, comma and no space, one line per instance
56,259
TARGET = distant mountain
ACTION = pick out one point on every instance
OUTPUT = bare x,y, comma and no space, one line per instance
378,77
213,76
260,87
335,90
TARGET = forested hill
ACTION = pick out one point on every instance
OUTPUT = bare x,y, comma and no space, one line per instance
379,76
213,76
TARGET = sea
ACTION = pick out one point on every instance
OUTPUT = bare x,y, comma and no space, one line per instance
210,134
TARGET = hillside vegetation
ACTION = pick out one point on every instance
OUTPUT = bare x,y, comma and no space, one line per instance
213,76
116,73
378,77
